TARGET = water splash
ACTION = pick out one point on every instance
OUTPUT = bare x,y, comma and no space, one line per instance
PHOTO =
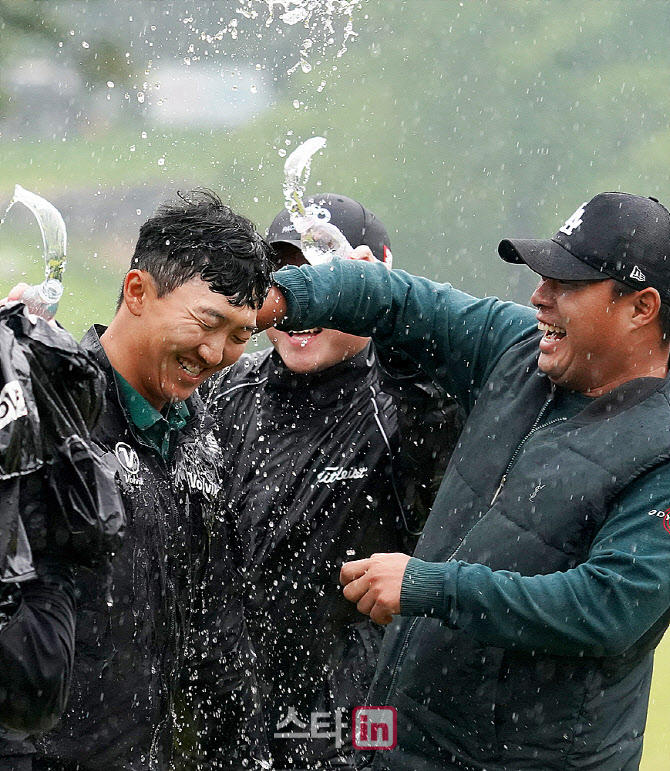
42,299
327,23
320,241
296,173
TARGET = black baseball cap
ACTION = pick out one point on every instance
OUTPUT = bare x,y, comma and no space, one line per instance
358,224
614,235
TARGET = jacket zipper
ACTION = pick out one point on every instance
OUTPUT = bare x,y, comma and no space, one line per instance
535,428
401,657
394,487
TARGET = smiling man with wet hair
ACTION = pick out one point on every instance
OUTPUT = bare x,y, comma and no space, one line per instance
187,310
525,624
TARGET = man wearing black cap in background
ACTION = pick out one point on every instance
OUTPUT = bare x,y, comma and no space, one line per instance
527,619
328,457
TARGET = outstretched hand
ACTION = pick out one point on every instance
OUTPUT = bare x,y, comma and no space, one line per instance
17,293
273,310
374,585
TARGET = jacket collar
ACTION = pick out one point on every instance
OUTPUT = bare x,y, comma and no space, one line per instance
199,419
337,384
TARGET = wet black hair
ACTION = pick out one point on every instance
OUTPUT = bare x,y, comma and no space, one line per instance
198,236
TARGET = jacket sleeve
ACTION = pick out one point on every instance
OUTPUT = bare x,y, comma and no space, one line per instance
36,648
455,338
618,597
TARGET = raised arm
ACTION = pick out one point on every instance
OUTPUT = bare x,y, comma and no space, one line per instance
455,338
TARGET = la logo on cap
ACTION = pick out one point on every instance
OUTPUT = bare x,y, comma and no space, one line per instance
573,222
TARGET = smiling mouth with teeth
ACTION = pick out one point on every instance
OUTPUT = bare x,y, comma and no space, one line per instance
551,332
315,331
193,369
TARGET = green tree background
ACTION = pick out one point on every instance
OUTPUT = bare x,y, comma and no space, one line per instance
458,123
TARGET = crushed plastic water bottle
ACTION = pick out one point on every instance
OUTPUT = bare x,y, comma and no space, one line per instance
320,241
42,299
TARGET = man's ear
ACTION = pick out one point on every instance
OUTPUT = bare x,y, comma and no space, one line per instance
646,306
138,288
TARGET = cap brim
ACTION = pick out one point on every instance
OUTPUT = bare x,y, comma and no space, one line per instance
549,259
298,245
292,241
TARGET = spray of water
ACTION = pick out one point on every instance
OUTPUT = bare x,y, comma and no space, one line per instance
42,299
320,241
326,22
296,173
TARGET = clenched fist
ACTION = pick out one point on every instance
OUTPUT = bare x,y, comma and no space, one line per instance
374,585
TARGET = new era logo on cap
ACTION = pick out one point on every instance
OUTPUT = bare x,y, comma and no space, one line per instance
637,274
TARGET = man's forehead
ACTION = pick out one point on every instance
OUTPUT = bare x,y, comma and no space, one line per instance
220,308
197,296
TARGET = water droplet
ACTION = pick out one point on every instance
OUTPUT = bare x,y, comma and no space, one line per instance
161,161
84,44
281,152
110,84
294,16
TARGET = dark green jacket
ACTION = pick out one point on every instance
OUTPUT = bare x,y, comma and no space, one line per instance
548,598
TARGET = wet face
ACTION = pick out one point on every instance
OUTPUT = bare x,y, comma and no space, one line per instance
586,328
185,337
311,350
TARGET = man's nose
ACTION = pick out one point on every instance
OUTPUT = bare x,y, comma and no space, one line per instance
543,293
211,352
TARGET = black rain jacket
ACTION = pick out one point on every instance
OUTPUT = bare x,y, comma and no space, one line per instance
60,508
318,470
133,636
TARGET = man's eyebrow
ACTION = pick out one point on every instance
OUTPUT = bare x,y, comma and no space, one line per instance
213,313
